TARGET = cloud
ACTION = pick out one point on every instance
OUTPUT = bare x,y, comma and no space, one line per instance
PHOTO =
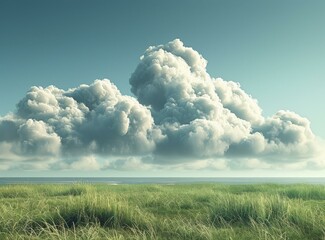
237,101
86,163
203,117
28,138
94,118
127,164
180,116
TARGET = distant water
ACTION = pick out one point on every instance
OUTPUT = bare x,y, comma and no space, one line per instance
156,180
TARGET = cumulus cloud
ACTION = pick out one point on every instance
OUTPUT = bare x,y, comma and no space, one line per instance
204,117
94,118
237,101
180,115
30,137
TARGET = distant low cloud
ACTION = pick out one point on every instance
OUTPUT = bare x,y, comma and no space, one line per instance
180,116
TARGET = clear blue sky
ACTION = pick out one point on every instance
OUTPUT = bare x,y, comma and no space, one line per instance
274,49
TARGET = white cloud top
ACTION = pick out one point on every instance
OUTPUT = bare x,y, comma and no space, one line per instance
180,115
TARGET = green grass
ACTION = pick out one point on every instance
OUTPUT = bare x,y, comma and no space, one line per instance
190,211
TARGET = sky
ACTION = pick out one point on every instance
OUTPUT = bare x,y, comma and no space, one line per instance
229,88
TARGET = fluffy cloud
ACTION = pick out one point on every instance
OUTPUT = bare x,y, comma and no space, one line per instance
181,115
30,137
95,118
237,101
204,117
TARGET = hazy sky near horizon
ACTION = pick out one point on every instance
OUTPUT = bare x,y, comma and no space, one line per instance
274,49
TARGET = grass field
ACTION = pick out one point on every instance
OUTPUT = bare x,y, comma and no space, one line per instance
190,211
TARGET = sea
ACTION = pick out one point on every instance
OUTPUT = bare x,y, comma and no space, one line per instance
160,180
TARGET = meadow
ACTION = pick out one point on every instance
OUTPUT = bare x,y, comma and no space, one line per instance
157,211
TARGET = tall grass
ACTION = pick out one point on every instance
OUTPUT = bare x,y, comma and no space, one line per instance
196,211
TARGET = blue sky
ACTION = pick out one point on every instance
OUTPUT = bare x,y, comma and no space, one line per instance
274,49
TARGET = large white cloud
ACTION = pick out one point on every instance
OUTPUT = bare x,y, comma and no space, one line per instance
205,117
94,119
181,115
